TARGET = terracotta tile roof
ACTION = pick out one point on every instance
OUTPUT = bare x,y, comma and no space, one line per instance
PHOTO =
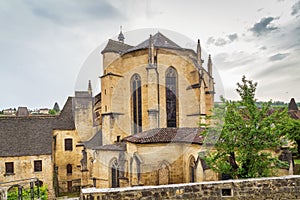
116,46
168,135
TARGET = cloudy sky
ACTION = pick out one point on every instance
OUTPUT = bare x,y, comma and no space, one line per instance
44,45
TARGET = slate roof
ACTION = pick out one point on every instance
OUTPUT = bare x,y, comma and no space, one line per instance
21,136
294,112
293,105
32,135
116,46
159,40
119,146
95,141
168,135
65,121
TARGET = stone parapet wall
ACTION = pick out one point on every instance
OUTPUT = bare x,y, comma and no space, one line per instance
287,187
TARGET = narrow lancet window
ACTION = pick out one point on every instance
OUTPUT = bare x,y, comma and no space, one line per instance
136,92
171,97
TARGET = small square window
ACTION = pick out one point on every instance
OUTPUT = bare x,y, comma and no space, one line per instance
9,168
37,165
68,144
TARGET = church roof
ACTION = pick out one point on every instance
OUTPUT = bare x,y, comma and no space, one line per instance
168,135
95,142
116,47
158,40
25,136
119,146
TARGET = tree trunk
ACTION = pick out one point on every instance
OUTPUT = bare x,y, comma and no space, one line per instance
233,162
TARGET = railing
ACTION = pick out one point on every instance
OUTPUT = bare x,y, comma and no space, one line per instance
21,183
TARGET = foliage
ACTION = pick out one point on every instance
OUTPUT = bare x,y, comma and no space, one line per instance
244,133
26,193
52,112
292,129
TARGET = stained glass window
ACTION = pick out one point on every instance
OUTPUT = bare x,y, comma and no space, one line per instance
171,97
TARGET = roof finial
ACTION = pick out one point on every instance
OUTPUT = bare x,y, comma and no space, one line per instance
90,88
121,36
209,65
199,59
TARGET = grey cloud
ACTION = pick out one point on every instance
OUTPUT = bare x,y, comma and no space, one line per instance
76,11
278,56
234,60
233,37
295,8
263,48
258,10
222,41
263,26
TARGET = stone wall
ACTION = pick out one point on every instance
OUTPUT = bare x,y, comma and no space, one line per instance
264,188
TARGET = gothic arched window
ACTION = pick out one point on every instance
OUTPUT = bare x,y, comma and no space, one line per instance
192,170
171,97
115,174
136,100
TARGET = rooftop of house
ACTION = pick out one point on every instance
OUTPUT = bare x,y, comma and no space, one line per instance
32,135
168,135
293,110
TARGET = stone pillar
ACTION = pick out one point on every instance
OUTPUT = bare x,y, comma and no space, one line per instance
153,97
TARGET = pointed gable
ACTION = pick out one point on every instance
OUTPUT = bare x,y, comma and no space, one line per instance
159,40
293,105
116,47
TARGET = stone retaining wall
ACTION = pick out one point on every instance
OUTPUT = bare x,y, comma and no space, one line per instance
287,188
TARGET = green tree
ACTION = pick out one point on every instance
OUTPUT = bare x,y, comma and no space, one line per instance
243,133
52,112
26,193
292,130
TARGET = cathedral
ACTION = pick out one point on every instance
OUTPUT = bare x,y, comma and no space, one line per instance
153,98
143,128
